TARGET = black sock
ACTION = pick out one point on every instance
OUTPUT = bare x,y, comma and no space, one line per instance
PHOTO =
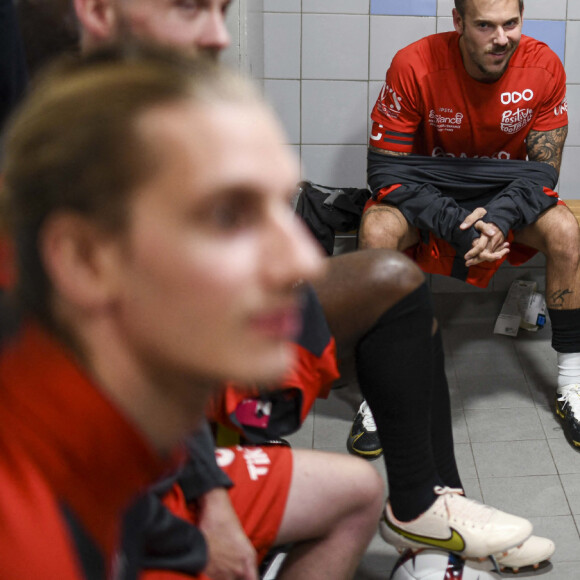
441,427
565,329
395,372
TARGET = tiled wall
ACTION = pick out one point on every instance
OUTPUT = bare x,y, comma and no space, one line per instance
245,22
325,60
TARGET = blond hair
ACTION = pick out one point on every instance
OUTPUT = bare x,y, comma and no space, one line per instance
73,145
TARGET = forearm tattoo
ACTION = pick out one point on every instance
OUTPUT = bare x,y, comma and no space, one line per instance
547,146
558,298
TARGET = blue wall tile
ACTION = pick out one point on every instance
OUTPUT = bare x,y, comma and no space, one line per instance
406,8
552,32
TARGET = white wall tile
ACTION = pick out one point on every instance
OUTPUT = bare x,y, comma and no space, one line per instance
573,50
573,94
282,46
334,112
544,10
569,175
281,5
232,55
391,33
285,98
445,7
316,57
335,46
337,6
335,165
445,24
536,9
374,90
573,10
252,36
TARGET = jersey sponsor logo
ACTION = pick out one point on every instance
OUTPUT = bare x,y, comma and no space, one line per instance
516,97
376,136
224,457
446,122
440,152
514,121
389,102
562,108
257,462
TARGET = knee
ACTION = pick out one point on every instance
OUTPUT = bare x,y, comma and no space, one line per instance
381,228
394,272
563,240
370,488
369,233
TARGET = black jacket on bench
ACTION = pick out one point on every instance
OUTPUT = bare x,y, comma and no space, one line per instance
437,193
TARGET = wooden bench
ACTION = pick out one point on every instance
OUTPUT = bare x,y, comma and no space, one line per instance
574,205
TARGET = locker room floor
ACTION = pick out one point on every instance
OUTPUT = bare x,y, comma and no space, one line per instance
510,448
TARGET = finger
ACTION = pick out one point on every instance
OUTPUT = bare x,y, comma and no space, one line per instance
478,246
487,256
473,217
497,245
490,230
252,573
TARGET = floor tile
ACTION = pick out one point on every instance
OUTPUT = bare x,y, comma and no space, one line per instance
472,488
503,424
469,340
460,434
487,364
304,437
563,532
509,447
567,459
571,484
464,460
330,433
550,423
565,562
378,562
539,366
513,458
558,571
526,496
456,400
495,392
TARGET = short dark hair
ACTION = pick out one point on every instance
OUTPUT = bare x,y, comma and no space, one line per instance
74,144
460,6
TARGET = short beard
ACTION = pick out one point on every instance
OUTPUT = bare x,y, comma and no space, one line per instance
126,34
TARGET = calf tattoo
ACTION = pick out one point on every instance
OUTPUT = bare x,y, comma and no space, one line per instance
557,298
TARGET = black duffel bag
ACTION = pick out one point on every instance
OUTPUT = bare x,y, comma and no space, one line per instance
327,210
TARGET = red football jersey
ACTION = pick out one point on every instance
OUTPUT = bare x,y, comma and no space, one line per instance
429,104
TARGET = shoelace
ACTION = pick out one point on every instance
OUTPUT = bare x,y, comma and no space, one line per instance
368,419
570,396
467,510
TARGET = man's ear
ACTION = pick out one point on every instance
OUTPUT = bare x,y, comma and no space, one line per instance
97,18
80,260
457,21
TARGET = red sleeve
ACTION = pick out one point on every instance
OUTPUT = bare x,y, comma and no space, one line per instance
554,111
397,112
